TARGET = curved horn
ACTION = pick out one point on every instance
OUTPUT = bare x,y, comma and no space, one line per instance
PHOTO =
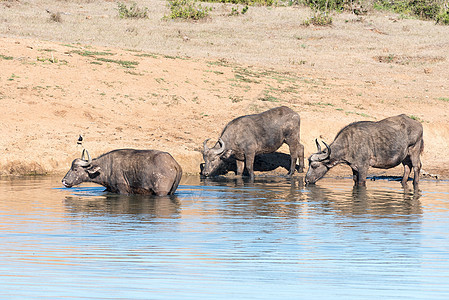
205,148
321,155
83,162
318,145
328,149
222,147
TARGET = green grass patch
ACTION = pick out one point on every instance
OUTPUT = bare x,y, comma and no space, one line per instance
91,53
146,55
132,11
123,63
47,50
134,73
13,77
187,9
268,98
236,12
51,60
321,104
320,18
358,114
240,77
69,45
443,17
248,2
221,63
5,57
423,9
175,57
416,118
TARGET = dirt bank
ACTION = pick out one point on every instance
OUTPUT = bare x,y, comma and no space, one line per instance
117,97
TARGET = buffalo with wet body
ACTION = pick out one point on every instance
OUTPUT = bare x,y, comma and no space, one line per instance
127,171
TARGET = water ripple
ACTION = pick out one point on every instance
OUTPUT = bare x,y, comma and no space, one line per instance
274,238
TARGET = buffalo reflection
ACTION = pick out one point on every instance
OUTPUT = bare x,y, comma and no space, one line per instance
361,201
265,196
114,204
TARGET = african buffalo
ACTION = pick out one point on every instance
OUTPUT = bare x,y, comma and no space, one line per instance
128,171
246,136
383,144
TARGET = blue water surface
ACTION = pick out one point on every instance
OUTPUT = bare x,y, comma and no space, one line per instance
225,238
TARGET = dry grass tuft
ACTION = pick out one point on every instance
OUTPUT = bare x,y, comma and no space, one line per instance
407,59
56,17
263,35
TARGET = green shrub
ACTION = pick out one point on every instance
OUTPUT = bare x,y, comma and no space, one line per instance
133,11
424,9
236,12
247,2
397,6
320,18
326,5
6,57
443,18
187,9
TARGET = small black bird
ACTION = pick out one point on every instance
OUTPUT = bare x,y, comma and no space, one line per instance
80,140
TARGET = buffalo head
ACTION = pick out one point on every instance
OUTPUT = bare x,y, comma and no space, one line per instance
213,156
81,171
318,164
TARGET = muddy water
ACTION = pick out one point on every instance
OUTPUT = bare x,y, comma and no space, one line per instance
271,239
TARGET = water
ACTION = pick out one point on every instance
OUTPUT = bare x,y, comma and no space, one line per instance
273,239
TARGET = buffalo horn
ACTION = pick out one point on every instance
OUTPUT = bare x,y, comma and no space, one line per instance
85,163
206,149
222,147
328,149
322,155
318,145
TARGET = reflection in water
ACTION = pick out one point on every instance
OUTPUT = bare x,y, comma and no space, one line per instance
374,202
155,207
271,196
215,239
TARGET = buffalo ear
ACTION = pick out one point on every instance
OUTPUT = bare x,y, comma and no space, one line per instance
93,169
227,154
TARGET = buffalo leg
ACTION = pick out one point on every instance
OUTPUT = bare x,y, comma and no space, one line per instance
413,161
296,153
416,171
362,177
301,158
249,161
293,159
240,167
407,169
416,164
359,176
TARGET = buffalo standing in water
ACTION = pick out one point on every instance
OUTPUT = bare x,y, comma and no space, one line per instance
128,171
384,144
246,136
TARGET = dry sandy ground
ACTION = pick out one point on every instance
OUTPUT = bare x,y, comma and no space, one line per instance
120,95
